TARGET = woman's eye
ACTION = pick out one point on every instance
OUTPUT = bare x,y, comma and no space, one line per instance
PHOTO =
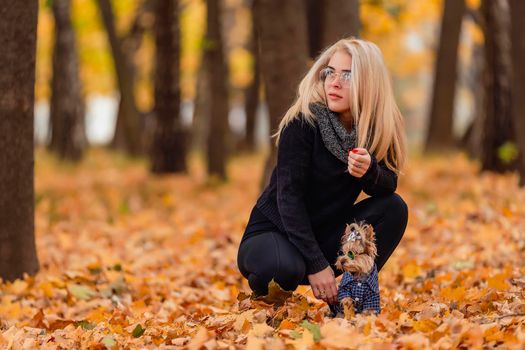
346,76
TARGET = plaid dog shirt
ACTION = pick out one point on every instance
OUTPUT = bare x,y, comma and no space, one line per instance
364,292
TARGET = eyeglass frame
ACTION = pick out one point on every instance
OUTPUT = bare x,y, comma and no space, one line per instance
328,71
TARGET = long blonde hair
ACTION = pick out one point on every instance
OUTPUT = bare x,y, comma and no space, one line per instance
380,125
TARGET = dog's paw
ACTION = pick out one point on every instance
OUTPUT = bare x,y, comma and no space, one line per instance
348,308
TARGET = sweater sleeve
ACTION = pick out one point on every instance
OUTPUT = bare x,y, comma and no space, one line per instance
293,163
378,179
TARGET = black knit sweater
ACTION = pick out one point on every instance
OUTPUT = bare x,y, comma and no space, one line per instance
311,191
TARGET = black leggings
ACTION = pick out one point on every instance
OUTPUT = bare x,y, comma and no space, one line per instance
270,255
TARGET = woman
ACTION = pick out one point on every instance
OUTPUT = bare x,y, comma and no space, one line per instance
343,134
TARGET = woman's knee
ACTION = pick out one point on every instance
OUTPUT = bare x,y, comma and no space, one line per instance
288,276
396,207
271,257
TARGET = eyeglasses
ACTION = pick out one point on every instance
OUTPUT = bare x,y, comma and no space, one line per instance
327,74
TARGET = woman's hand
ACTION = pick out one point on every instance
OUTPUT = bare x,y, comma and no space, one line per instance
358,161
323,285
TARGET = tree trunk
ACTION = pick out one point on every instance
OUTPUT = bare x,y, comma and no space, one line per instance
329,21
440,125
143,20
218,74
68,138
17,83
169,143
283,60
472,137
341,19
128,108
497,125
314,25
252,91
517,13
201,110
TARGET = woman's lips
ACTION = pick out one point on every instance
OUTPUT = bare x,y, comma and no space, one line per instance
334,96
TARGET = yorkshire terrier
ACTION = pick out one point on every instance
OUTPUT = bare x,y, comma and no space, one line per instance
358,290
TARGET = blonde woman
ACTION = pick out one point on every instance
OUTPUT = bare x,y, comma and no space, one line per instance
344,134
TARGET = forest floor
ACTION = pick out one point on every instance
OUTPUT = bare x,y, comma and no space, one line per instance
129,260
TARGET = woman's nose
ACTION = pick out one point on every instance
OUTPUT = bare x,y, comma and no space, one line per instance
336,82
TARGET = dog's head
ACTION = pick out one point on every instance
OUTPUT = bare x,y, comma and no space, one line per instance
359,238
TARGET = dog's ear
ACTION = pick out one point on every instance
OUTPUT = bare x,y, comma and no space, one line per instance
368,231
345,234
370,245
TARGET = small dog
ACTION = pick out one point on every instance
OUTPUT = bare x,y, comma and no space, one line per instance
359,289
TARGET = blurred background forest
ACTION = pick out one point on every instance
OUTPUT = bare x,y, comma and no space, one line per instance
100,97
117,76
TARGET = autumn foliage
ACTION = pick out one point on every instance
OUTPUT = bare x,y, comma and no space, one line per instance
133,261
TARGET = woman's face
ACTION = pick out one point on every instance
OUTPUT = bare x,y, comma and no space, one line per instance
337,86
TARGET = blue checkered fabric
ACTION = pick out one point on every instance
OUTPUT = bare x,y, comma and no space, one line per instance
364,292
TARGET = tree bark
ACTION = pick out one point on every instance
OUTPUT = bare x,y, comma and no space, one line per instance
201,110
329,21
169,143
283,60
219,134
341,19
17,82
68,138
472,138
143,20
128,114
440,125
497,125
517,13
253,90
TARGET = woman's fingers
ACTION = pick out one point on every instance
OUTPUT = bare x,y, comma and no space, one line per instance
353,170
334,293
330,291
323,285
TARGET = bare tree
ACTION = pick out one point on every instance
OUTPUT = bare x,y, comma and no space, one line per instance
128,116
440,125
169,143
517,13
283,59
17,82
329,21
68,138
497,124
217,71
252,92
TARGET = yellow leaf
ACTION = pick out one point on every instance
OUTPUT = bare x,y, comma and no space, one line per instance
367,328
243,321
286,324
411,271
261,330
17,287
304,342
199,338
47,289
254,343
498,282
276,295
453,294
424,326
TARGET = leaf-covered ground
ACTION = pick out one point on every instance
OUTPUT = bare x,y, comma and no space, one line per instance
132,261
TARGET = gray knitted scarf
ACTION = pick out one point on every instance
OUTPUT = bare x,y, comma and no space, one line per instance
335,136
